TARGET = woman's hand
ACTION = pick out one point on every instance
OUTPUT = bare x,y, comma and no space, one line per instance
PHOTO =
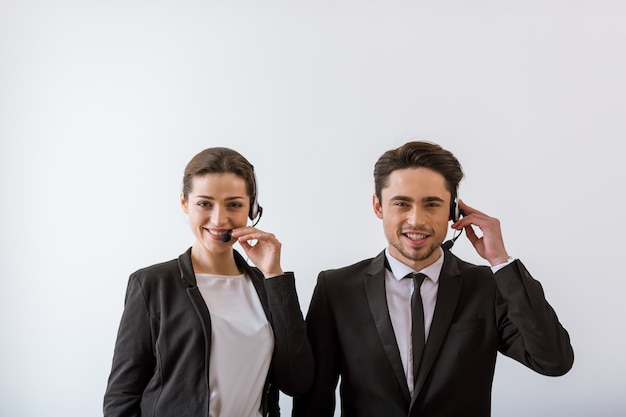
264,252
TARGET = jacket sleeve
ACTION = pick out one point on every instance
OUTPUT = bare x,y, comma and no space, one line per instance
320,400
292,361
530,331
133,357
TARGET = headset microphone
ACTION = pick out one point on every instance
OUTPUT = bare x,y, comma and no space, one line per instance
447,245
226,237
455,214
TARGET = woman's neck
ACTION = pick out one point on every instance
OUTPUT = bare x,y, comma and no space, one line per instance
217,263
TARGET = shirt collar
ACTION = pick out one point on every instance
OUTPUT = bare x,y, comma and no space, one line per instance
399,270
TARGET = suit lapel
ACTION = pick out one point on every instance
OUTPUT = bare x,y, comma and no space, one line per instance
377,299
447,298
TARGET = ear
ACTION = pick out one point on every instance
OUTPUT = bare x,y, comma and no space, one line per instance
378,209
183,203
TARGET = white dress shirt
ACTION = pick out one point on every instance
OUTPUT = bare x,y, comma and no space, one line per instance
399,290
242,343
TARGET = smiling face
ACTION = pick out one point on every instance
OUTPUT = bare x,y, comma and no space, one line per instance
415,210
216,203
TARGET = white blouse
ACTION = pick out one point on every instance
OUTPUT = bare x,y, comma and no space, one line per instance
242,343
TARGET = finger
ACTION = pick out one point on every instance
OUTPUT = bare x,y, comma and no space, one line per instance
264,238
469,210
241,231
248,236
245,246
471,234
249,230
468,220
476,218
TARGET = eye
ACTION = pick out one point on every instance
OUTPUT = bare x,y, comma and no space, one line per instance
235,205
203,204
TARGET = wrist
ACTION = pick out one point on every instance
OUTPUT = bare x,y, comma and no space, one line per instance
273,273
499,260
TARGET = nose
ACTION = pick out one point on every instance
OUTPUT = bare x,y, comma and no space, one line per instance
219,216
417,217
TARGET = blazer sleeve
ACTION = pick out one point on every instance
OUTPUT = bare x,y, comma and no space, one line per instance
320,400
530,331
133,358
292,360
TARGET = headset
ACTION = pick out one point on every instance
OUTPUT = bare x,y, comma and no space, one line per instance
255,213
455,214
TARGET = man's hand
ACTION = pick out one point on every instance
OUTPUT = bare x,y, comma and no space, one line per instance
491,245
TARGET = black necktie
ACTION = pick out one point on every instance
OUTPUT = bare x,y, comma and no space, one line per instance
417,323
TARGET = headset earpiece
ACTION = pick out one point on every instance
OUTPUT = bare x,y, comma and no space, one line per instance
455,212
255,209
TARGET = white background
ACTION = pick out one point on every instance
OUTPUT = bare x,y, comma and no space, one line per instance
102,103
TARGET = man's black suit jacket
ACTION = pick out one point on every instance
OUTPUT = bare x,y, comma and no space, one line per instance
477,315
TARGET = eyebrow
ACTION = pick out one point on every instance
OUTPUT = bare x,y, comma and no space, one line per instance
423,200
208,197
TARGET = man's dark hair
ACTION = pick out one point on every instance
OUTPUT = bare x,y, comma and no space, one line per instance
418,155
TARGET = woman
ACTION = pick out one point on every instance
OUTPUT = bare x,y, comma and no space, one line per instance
207,334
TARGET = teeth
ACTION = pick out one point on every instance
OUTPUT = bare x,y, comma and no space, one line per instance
214,232
415,236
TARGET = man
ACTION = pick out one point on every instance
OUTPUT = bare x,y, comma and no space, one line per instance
441,362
